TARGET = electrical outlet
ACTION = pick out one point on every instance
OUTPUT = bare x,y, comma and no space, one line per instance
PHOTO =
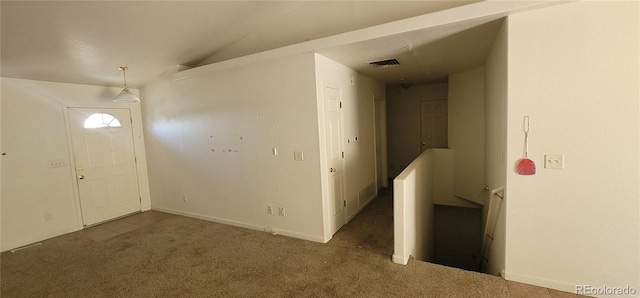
554,161
298,156
48,216
185,198
281,211
58,163
269,209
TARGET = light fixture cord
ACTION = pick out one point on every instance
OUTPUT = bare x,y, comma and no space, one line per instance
124,74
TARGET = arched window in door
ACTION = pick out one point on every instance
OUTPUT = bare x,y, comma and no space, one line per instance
99,120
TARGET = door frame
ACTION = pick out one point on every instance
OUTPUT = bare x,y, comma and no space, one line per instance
138,149
380,169
324,160
422,147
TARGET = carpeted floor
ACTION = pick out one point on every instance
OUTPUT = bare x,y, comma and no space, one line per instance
175,256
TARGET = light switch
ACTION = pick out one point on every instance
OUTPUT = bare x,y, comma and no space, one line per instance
554,161
297,155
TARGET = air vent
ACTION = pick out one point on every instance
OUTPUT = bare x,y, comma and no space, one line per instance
385,63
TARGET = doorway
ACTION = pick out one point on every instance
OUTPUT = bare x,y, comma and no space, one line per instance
105,163
433,124
380,136
335,156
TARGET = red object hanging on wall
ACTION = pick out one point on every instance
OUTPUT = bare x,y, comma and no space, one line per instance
525,165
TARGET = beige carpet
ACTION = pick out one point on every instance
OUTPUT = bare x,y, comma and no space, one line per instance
175,256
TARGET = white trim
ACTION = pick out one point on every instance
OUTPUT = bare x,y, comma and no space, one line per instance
39,238
241,224
322,137
72,169
402,260
541,282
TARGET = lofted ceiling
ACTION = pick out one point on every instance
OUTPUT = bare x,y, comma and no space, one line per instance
85,42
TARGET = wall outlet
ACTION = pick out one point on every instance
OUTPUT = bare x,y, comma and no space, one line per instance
48,216
298,155
269,209
281,211
185,198
554,161
59,163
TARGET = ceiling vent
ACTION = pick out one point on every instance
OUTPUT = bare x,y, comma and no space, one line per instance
385,63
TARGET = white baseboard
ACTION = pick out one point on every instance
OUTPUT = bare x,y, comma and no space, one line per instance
551,284
541,282
242,224
400,259
31,240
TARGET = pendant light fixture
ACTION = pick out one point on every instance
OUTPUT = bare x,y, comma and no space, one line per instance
125,95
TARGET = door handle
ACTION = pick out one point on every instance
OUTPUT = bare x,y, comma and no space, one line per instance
80,177
424,144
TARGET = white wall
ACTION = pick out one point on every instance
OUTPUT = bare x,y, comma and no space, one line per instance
242,113
466,132
574,69
34,131
496,143
403,123
443,164
269,105
358,120
413,214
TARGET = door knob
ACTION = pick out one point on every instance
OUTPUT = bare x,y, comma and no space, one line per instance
80,177
424,144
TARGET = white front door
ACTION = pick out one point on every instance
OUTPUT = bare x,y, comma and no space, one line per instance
335,167
105,163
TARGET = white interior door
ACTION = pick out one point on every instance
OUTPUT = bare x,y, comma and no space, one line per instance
434,124
333,126
105,163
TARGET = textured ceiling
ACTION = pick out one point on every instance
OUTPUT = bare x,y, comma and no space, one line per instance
85,42
425,56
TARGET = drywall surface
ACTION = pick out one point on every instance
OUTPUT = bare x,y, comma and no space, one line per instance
358,129
443,181
574,69
466,133
403,123
34,132
211,140
496,142
413,214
